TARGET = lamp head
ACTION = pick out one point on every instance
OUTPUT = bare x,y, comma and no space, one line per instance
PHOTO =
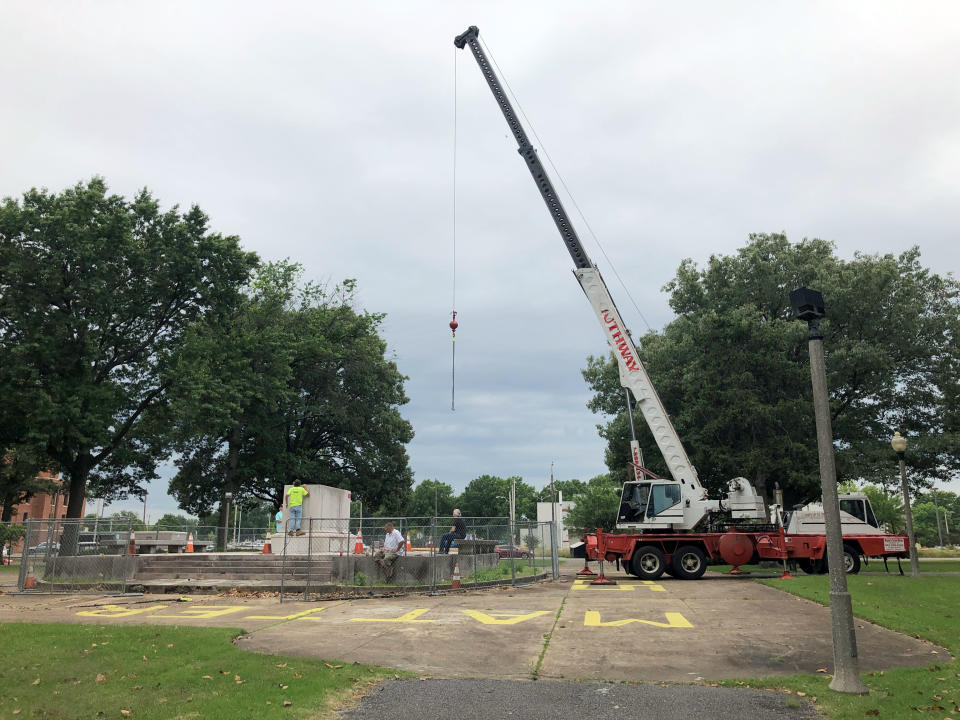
807,304
899,443
228,496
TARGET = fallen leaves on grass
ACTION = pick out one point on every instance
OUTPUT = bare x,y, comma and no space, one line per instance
101,678
821,670
36,682
207,677
873,712
125,713
287,703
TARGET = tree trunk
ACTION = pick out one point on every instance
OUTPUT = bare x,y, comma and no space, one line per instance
78,471
8,503
229,485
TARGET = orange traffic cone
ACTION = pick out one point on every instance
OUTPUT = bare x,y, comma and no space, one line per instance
358,545
456,576
409,546
189,542
267,550
132,550
30,583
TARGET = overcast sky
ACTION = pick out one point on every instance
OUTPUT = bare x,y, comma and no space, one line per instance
324,133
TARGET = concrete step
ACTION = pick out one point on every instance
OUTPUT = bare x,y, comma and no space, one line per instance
233,577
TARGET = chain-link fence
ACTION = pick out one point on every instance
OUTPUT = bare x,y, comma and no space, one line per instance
328,557
323,557
61,555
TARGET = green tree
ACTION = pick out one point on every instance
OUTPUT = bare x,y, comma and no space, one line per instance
488,496
126,518
532,541
96,295
171,521
887,507
295,383
595,507
232,374
422,498
733,371
569,488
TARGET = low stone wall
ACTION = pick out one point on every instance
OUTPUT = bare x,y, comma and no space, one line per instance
410,569
88,568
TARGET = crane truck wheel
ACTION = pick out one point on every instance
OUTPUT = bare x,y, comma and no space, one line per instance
851,560
689,563
647,562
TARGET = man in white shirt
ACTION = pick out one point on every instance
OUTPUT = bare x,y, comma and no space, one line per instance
393,547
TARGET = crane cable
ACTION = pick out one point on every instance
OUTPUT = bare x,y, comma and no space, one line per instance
562,183
453,322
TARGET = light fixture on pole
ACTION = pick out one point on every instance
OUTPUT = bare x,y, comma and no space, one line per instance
227,497
899,444
808,305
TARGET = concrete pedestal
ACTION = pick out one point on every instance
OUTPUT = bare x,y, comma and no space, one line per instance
316,543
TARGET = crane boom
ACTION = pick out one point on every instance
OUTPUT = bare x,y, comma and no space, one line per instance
633,375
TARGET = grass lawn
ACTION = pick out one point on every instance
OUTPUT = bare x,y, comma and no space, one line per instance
9,569
154,672
948,565
927,607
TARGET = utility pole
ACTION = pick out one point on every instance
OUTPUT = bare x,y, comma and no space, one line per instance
808,305
554,533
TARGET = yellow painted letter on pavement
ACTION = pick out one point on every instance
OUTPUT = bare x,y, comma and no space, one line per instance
116,611
285,617
208,611
410,617
502,618
674,620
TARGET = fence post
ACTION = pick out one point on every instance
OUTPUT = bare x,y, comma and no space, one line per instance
555,550
283,561
306,587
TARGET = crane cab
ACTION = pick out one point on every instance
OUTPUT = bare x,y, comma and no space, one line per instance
650,504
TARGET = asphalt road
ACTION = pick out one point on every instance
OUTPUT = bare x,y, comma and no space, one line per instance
547,700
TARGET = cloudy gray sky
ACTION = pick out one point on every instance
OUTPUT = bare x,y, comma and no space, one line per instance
324,133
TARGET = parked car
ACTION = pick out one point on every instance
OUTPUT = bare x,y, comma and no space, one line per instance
44,548
508,551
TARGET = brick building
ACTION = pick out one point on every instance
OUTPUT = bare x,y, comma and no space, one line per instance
44,505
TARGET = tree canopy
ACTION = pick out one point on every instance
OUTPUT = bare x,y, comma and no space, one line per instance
294,383
96,295
733,372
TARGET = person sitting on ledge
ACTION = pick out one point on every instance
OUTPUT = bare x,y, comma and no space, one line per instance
458,531
393,547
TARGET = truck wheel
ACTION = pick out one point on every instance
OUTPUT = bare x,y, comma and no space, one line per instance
810,567
647,562
689,563
851,560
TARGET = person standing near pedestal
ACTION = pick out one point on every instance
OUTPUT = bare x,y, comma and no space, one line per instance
278,518
294,501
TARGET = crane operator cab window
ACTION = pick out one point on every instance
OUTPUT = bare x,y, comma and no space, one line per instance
860,509
663,497
633,502
643,500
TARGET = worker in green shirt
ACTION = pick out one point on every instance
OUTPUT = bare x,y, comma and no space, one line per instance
294,501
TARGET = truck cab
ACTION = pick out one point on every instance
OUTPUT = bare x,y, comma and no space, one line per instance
856,517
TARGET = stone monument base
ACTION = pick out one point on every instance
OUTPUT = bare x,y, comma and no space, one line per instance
315,543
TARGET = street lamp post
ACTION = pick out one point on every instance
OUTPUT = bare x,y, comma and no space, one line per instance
227,497
808,305
899,444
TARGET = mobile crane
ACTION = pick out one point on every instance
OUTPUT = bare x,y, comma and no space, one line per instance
671,516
